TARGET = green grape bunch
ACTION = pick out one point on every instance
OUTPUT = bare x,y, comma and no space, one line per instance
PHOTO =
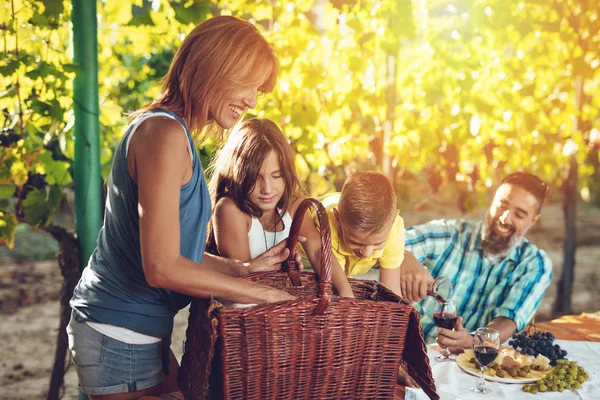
565,376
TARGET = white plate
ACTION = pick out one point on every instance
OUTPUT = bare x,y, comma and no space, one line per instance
462,362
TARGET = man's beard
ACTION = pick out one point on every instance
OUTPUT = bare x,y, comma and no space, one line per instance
497,246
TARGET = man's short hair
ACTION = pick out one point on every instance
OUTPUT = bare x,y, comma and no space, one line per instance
367,201
531,183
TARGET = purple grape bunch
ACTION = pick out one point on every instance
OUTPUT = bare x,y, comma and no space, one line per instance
538,343
8,137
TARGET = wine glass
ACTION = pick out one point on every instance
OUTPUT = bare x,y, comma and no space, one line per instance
444,316
486,343
441,289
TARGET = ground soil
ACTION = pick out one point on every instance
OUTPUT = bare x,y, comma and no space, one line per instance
29,301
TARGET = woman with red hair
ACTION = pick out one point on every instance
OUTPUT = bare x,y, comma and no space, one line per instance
150,255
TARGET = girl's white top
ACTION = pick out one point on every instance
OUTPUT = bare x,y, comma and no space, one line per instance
261,240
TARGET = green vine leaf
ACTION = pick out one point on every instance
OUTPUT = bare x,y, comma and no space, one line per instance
8,226
40,205
57,172
195,13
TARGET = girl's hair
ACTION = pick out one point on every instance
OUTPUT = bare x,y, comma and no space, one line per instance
237,166
221,54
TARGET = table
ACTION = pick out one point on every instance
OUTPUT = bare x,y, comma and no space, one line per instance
584,327
578,334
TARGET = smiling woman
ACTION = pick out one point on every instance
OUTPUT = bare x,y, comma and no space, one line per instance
150,258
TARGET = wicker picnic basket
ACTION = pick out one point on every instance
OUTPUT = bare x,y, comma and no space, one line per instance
316,347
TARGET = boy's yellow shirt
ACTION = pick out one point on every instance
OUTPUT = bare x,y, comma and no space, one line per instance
391,256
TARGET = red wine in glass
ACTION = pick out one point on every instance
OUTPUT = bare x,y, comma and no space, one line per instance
444,316
486,343
485,354
445,320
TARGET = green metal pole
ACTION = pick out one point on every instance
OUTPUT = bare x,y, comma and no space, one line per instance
88,189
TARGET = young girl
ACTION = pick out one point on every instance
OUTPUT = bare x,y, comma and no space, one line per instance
256,191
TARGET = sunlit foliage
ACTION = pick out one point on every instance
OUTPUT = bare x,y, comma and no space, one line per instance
443,96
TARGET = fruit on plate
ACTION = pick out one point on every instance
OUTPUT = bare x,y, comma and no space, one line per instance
512,364
534,342
566,375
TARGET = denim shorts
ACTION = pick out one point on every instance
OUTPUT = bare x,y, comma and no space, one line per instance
108,366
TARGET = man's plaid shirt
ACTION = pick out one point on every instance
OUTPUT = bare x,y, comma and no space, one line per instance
484,288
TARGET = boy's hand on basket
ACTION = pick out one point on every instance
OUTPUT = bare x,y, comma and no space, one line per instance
271,259
404,379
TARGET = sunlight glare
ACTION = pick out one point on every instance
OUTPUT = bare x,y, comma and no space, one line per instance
475,125
284,85
585,194
570,148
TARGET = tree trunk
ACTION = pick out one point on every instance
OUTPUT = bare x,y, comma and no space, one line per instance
565,285
68,262
388,125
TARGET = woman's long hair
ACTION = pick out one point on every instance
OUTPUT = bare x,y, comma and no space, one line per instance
237,166
221,54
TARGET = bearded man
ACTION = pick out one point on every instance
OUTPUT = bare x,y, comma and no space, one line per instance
499,277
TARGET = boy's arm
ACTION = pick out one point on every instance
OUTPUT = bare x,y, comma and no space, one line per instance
393,254
390,277
313,250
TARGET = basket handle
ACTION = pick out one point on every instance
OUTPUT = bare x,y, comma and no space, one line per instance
291,267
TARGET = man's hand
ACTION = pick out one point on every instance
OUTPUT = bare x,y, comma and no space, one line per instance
414,278
271,259
457,340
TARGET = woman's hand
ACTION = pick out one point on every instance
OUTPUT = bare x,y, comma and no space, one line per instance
271,259
273,295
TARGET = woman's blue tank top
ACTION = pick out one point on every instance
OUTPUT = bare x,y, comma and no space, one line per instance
113,288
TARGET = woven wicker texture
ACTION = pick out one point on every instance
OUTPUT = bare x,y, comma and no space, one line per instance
316,347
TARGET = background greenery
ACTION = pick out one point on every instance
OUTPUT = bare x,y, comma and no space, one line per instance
444,96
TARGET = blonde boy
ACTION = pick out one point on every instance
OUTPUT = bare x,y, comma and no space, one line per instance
366,228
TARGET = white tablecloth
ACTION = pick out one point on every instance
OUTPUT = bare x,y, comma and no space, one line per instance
454,383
